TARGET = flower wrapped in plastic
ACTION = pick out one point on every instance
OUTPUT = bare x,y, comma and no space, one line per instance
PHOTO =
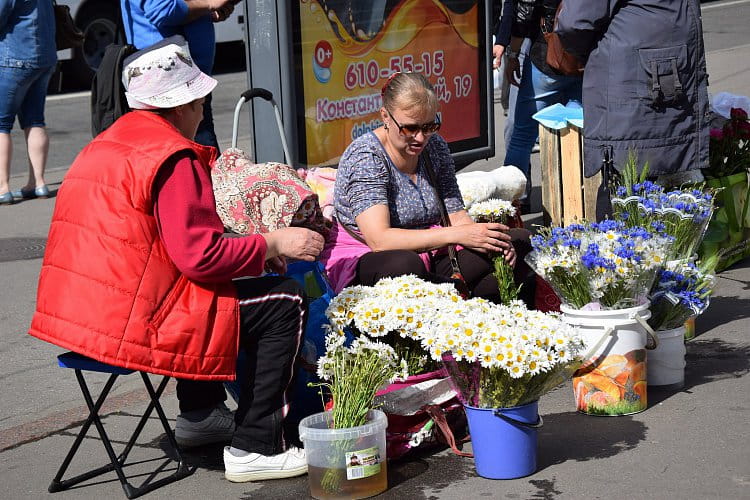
497,210
682,291
502,356
729,146
682,213
492,210
603,265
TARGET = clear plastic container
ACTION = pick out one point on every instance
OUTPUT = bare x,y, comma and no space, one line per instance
345,463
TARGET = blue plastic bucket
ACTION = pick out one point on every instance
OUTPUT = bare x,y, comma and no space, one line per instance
504,440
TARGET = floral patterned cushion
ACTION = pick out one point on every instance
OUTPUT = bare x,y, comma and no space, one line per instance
262,197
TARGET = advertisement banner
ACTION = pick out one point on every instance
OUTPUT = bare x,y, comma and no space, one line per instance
344,51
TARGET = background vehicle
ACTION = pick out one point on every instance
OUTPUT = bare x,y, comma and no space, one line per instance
101,24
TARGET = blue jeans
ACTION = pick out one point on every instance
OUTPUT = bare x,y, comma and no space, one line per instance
22,94
523,54
537,91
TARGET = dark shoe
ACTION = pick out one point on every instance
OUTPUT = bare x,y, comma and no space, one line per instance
31,193
201,427
6,198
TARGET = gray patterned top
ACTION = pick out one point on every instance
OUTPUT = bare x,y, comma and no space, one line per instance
366,177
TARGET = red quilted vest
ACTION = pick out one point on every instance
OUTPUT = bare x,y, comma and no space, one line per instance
107,288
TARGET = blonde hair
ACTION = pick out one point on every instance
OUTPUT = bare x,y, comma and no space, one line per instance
409,91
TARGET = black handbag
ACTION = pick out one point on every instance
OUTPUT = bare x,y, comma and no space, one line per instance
67,34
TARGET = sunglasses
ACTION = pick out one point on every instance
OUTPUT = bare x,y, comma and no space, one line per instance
411,129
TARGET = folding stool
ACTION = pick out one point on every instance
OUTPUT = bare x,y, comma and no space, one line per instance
82,363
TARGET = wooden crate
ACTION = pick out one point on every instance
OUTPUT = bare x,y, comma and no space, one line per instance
566,194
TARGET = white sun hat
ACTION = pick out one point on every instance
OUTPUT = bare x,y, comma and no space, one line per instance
164,75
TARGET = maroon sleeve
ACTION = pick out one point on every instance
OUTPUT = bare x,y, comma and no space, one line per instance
192,232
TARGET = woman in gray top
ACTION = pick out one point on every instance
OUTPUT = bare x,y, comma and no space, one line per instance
389,216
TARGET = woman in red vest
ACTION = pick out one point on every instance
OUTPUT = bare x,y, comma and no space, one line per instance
138,274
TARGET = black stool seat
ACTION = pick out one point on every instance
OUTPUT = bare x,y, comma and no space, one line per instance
81,363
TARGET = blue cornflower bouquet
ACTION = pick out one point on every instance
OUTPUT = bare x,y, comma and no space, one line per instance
682,290
681,213
603,265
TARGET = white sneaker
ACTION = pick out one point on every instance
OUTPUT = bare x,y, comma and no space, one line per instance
198,428
256,467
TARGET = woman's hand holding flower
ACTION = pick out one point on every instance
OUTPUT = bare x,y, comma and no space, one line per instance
484,237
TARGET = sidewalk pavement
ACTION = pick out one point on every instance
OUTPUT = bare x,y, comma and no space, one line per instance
690,443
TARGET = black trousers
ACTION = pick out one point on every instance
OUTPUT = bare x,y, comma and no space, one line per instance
477,268
273,314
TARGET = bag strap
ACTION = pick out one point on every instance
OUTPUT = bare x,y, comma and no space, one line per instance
352,233
432,178
437,415
444,219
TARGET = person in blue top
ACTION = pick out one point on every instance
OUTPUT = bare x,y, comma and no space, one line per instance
147,22
27,60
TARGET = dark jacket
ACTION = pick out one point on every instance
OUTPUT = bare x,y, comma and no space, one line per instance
503,21
522,19
644,86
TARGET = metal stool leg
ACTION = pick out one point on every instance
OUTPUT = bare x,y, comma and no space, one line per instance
58,484
183,470
117,463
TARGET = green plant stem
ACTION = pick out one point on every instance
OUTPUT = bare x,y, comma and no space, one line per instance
497,389
571,285
505,280
355,381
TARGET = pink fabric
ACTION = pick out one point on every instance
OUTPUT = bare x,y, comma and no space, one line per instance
413,380
341,254
322,181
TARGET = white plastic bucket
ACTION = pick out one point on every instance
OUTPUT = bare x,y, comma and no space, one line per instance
345,463
612,380
666,363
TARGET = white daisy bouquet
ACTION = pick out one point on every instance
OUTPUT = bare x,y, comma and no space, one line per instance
498,355
354,373
497,210
492,210
501,356
682,213
396,311
682,291
601,265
